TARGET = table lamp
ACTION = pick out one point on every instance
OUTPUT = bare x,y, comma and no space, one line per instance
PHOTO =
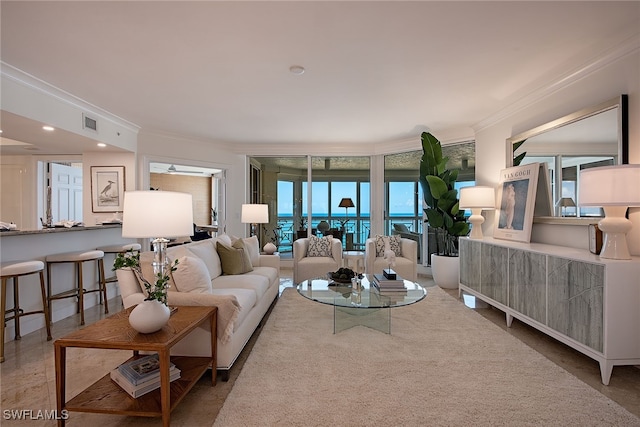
346,203
255,214
157,215
565,202
477,198
614,188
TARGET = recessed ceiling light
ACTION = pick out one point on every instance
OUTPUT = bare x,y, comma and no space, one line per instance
101,144
296,69
48,128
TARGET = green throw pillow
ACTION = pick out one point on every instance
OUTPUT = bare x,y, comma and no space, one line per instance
234,259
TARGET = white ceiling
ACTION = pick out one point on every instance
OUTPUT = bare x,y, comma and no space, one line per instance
376,72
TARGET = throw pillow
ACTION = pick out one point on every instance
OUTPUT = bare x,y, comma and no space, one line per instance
251,247
233,258
206,251
394,245
192,275
319,246
226,239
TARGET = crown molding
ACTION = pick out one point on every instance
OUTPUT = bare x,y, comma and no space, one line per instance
630,46
20,77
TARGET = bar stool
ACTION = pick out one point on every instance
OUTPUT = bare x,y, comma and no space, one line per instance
78,258
118,249
13,270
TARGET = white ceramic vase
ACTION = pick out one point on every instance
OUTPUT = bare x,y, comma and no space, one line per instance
149,316
269,248
445,271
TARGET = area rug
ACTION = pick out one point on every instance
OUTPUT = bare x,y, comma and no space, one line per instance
442,365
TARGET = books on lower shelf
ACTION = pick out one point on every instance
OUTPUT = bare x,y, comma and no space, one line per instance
142,369
142,375
382,283
136,391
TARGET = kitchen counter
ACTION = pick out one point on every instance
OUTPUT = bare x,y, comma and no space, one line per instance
17,245
57,230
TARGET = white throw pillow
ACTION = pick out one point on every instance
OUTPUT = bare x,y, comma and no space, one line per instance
252,245
192,276
394,245
319,247
225,239
206,251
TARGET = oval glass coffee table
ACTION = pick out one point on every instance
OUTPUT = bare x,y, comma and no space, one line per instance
364,305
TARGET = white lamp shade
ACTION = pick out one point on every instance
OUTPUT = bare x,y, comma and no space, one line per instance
610,186
255,214
477,197
153,214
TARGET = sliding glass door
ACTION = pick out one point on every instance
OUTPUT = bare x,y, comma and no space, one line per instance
297,209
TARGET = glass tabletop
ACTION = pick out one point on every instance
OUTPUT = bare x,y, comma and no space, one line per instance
326,291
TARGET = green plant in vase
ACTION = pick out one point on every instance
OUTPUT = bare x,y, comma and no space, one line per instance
443,212
156,291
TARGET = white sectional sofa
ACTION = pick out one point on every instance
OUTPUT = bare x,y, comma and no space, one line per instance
242,299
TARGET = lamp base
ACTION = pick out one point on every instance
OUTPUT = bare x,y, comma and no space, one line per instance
476,220
614,227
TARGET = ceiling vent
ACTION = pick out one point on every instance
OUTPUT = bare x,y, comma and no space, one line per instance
89,123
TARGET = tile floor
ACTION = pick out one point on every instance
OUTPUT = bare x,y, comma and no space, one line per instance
27,377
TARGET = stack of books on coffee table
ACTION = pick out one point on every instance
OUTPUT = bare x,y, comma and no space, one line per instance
140,376
383,284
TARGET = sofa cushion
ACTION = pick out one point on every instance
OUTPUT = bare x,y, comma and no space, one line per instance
394,245
192,275
205,250
319,247
272,274
234,259
246,298
255,282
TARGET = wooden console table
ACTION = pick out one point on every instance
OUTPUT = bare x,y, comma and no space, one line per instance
114,333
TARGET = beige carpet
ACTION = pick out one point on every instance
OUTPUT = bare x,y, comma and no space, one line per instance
443,364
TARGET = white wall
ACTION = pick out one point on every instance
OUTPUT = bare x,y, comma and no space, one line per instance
191,152
609,81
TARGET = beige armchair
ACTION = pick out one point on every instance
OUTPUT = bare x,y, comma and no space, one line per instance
403,231
306,267
406,265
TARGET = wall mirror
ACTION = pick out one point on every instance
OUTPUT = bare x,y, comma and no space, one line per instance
591,137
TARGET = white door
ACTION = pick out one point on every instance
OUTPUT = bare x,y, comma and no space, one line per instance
66,192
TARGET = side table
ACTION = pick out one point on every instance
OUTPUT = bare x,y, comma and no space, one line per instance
115,333
357,257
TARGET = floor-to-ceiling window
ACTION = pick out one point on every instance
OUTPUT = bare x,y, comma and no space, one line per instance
340,193
404,213
324,195
298,209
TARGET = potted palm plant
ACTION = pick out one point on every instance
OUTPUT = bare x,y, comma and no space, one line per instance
443,213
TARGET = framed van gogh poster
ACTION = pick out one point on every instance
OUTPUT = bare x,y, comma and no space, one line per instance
516,202
107,188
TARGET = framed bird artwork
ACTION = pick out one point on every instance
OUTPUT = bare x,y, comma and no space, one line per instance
107,188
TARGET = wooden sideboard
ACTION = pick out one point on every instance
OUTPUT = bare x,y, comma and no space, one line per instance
588,303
